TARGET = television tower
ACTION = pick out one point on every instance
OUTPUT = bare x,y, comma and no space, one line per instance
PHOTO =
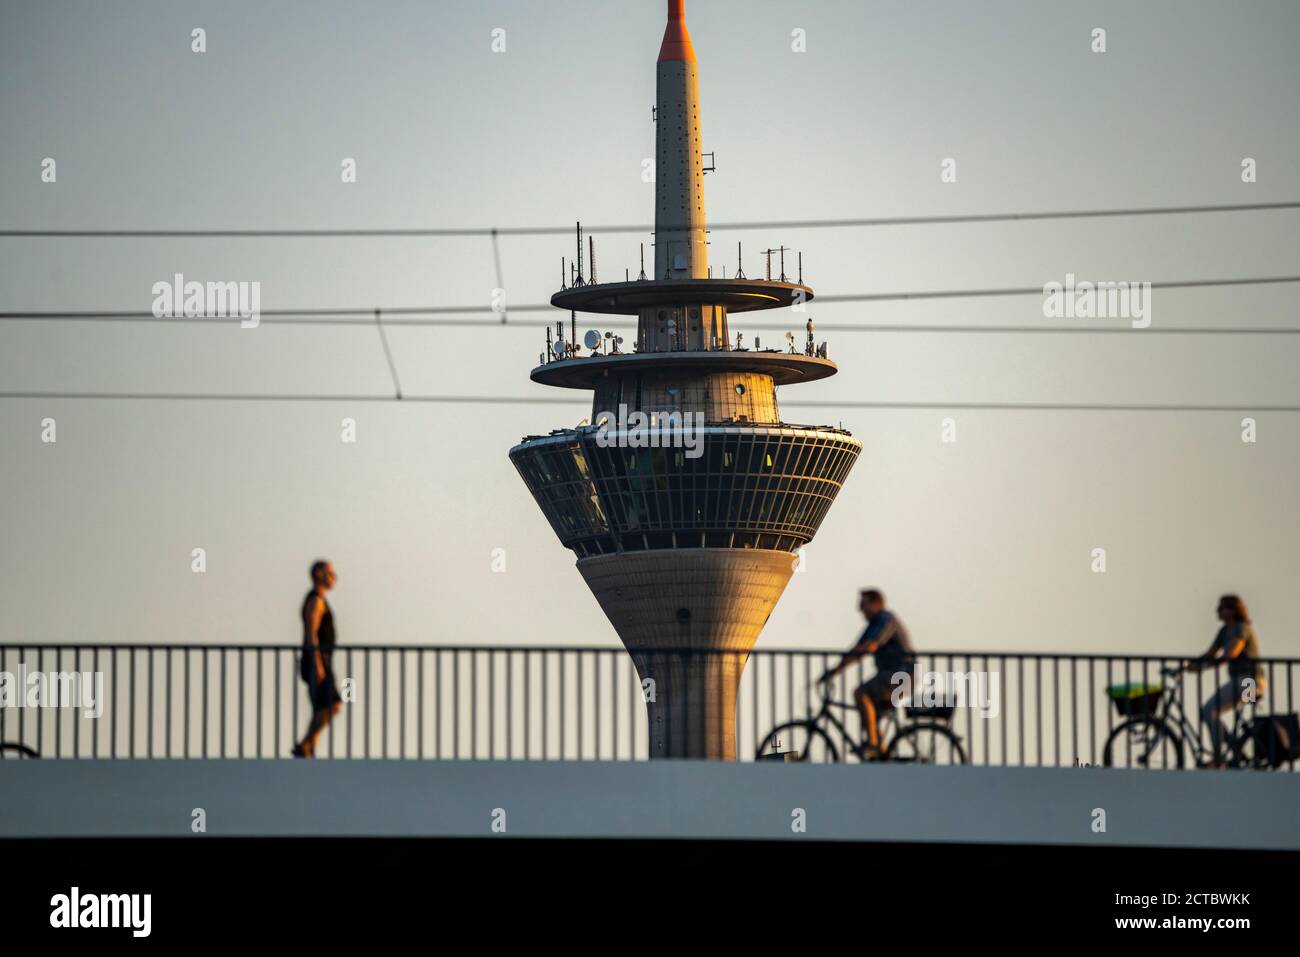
687,498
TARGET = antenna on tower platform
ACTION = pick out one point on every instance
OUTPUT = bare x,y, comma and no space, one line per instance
579,280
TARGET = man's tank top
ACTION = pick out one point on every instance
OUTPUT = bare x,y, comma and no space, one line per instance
325,633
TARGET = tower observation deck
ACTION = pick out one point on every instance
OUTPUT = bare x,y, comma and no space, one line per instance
687,497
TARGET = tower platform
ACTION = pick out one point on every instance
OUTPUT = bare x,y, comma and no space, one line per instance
629,298
785,368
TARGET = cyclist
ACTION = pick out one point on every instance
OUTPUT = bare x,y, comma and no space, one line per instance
1237,646
887,641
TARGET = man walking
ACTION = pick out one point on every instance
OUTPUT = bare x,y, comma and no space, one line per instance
318,640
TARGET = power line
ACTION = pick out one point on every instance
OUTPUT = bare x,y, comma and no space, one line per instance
1038,290
1069,330
927,328
490,231
586,401
432,315
1051,406
300,397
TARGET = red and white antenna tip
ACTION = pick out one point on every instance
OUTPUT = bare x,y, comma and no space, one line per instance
677,42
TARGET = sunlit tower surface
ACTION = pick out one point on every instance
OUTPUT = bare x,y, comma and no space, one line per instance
686,553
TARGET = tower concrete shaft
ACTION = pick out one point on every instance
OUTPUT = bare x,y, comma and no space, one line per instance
689,619
681,250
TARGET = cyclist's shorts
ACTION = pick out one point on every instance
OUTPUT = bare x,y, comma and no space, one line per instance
879,690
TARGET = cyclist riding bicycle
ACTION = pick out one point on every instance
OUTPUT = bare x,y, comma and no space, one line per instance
1236,646
887,641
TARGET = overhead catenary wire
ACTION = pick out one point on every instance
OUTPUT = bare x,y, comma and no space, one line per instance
489,231
585,400
440,315
443,315
446,315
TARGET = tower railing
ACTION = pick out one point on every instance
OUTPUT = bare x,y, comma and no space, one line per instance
548,702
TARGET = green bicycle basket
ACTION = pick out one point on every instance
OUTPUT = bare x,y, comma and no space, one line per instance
1136,698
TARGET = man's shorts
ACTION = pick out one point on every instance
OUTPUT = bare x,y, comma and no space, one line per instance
323,694
879,690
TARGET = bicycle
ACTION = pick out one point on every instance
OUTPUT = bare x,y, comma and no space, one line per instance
1158,726
924,739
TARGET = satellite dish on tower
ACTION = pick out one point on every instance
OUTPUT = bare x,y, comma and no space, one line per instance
591,339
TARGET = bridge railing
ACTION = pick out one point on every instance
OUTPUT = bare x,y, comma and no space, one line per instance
548,703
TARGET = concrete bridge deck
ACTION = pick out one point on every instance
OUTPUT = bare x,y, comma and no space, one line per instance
667,799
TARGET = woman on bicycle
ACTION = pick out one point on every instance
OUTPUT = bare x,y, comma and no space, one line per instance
1237,646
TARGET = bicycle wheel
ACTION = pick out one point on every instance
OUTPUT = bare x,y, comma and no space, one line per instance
1143,743
811,742
1246,753
926,743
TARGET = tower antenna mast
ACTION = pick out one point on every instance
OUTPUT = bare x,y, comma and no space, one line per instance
579,281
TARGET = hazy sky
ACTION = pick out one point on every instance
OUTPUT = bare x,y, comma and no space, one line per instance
981,543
